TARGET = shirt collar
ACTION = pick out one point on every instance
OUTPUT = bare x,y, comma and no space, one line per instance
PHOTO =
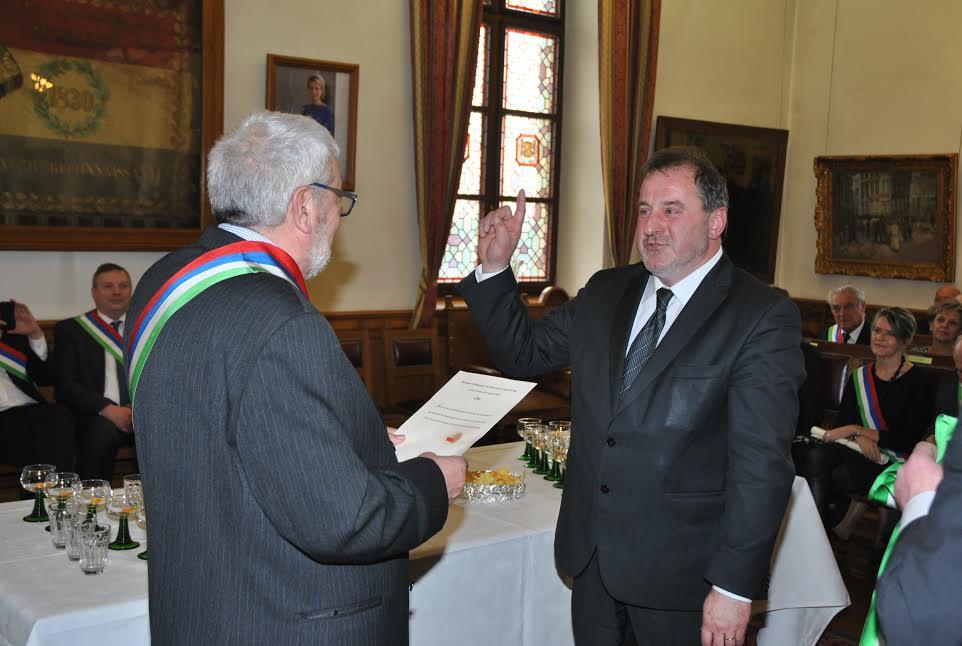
685,288
244,233
123,317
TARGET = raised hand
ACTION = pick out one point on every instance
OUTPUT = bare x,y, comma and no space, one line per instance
24,322
500,232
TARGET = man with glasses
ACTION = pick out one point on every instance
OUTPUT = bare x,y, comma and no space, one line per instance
269,476
848,309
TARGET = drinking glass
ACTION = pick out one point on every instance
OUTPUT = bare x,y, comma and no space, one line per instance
93,547
59,519
531,430
75,519
60,488
562,442
522,422
121,507
142,522
134,489
33,478
94,495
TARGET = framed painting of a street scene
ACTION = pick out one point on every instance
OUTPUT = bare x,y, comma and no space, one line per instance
753,163
887,216
326,91
107,111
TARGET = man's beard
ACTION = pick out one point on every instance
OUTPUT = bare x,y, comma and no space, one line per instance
319,254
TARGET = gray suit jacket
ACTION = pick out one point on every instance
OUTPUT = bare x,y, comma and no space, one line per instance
277,510
684,481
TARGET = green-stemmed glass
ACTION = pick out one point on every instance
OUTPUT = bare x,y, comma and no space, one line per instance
93,494
522,422
33,478
123,506
142,522
562,442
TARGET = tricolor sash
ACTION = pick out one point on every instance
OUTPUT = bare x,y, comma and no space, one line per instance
13,361
868,404
103,333
883,491
835,334
193,279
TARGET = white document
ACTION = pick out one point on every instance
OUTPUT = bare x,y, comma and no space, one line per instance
819,433
458,414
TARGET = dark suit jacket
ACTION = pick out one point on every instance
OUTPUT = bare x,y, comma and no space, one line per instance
864,337
80,369
918,593
685,481
278,512
41,372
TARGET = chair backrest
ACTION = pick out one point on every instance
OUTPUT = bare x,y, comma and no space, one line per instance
356,345
413,368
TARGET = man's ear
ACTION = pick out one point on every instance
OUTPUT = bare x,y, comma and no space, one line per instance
303,207
717,222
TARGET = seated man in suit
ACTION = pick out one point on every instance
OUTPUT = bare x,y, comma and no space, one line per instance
945,292
848,309
34,431
90,373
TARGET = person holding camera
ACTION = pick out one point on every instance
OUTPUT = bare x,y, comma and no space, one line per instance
33,429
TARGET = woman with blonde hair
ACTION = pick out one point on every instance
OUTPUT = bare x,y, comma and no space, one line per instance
317,109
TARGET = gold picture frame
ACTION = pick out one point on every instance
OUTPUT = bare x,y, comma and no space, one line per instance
72,185
886,216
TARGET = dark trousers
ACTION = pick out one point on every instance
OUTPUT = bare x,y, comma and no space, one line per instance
97,443
833,473
37,434
600,620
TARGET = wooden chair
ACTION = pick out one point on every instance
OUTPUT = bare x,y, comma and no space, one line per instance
356,345
412,367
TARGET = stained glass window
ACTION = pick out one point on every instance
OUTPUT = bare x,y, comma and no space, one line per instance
526,147
530,259
542,7
471,170
529,71
514,106
461,254
479,94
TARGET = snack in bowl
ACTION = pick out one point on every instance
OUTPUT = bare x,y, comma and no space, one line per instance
498,485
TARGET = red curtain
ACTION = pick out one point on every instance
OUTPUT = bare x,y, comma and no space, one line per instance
444,47
627,60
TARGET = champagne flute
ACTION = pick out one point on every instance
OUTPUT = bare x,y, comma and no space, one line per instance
33,478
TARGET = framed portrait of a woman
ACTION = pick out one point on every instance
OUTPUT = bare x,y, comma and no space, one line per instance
323,90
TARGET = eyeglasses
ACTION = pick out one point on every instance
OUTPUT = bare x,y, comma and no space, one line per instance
345,199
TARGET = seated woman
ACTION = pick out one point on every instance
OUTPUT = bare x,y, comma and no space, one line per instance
945,322
885,408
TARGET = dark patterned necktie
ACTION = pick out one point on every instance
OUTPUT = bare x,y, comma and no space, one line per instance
121,377
845,337
645,341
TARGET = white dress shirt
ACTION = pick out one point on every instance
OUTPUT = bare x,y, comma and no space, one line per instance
245,233
111,385
853,335
682,292
10,395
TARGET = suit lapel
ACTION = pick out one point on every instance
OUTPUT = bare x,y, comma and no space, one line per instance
621,327
706,299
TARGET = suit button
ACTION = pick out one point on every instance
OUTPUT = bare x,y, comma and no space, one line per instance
611,441
605,489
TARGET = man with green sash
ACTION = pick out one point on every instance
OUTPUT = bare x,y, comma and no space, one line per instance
90,372
917,595
271,484
32,430
848,310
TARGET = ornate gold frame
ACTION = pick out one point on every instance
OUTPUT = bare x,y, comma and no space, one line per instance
211,120
830,261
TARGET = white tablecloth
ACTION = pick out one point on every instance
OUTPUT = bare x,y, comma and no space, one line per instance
487,578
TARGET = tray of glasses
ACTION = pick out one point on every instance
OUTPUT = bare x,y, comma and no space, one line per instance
493,485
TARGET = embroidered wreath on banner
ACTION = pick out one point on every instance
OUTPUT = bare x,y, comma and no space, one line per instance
54,68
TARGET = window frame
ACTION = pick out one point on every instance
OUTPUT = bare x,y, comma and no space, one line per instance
497,19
